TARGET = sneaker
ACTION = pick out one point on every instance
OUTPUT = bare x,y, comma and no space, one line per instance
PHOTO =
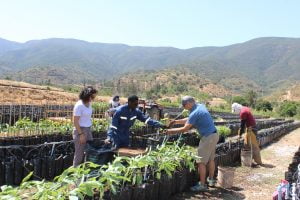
211,182
199,188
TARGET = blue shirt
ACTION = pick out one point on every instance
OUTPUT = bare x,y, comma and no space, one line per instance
201,119
122,120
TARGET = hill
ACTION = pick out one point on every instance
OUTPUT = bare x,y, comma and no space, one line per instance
260,64
25,93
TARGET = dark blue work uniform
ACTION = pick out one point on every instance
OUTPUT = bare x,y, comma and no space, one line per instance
122,120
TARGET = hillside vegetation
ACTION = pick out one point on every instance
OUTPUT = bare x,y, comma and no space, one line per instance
264,64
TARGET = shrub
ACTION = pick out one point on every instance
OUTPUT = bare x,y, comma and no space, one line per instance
288,109
223,130
264,106
241,100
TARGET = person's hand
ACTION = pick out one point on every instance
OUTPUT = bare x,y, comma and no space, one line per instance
82,139
107,141
166,132
173,122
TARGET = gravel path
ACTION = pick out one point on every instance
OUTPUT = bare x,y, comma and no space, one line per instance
256,183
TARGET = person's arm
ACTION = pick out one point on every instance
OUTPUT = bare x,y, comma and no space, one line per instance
113,127
183,129
190,121
242,127
179,121
147,120
76,118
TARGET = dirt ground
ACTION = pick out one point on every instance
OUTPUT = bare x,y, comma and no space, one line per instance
256,183
13,92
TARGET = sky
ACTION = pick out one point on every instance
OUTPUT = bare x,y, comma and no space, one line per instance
176,23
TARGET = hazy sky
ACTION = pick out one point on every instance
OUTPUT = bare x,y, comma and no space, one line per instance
178,23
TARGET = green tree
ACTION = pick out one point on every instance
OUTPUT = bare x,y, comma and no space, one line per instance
241,100
288,109
264,105
251,97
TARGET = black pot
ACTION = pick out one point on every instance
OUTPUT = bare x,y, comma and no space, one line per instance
45,168
2,173
18,176
27,168
37,168
165,187
124,194
59,164
51,166
152,190
138,192
9,173
180,180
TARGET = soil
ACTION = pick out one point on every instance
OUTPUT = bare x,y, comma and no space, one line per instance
13,92
257,183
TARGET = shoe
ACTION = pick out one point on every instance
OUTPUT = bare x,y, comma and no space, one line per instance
211,182
199,188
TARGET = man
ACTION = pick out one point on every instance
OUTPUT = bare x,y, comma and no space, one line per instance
248,126
123,119
201,119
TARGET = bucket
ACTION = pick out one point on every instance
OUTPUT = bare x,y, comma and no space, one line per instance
246,158
225,176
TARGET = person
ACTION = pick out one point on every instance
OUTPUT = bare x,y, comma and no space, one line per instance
124,117
201,119
82,119
113,105
115,102
248,126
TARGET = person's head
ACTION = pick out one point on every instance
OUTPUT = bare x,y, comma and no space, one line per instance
116,98
236,108
88,94
133,102
188,102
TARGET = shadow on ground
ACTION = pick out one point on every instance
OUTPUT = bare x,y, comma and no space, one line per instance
213,193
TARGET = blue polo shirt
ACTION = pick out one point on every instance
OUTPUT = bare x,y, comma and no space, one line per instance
201,119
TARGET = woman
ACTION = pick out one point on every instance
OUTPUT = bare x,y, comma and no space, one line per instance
115,102
82,119
248,126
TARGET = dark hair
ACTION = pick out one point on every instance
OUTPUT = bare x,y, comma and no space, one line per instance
133,98
115,98
86,93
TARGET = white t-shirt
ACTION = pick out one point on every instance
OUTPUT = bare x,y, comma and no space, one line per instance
85,114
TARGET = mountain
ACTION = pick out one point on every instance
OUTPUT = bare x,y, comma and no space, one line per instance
260,64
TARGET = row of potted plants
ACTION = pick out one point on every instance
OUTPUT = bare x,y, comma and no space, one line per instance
121,179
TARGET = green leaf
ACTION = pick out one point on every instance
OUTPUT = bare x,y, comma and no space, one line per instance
27,177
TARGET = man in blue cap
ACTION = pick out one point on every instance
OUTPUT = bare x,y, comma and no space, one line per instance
124,117
200,119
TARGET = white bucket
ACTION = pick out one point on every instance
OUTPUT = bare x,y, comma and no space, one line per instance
225,176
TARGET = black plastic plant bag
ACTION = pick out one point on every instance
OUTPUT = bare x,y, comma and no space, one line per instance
27,168
124,194
139,192
180,181
18,176
51,167
2,173
59,164
151,190
165,187
37,167
9,172
45,168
